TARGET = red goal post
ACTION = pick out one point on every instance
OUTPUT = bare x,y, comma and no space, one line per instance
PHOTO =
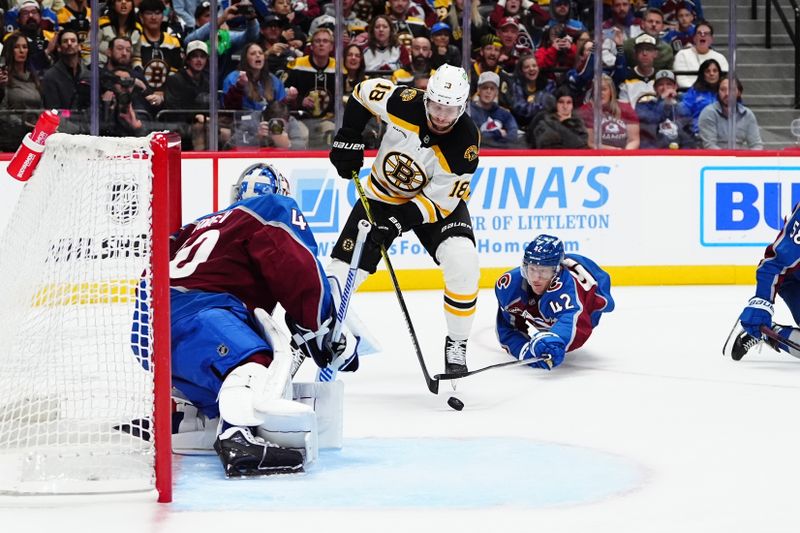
85,403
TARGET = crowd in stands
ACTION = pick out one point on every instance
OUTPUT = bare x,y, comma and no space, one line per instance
532,69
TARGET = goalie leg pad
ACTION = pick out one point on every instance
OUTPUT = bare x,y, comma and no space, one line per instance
291,425
239,394
459,260
194,433
327,400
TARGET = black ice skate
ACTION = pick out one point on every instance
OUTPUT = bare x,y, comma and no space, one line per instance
243,454
745,342
455,356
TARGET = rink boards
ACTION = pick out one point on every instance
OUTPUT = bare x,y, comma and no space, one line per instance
693,217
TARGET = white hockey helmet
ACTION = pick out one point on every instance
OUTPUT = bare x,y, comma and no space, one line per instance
257,180
449,87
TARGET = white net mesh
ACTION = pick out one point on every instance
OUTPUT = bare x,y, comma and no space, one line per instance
75,398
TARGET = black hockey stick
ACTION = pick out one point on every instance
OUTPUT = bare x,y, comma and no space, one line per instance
433,383
772,334
460,375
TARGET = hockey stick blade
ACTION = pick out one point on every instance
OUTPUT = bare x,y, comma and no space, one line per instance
445,377
433,384
774,335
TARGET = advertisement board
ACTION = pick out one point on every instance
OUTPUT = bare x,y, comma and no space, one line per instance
649,218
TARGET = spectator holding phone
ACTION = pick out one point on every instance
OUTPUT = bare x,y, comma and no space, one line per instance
557,53
18,82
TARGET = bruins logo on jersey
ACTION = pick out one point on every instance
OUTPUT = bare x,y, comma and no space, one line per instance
471,153
408,94
403,172
348,245
156,73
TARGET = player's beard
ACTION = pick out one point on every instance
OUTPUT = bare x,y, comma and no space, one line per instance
437,131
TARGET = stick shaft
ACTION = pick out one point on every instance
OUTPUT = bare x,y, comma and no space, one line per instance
774,335
433,384
490,367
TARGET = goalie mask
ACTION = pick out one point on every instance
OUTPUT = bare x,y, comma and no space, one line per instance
258,180
542,259
446,97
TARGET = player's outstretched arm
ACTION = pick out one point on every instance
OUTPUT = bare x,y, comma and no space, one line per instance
347,150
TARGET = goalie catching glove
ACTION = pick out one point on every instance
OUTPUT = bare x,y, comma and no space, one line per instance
757,313
347,153
546,345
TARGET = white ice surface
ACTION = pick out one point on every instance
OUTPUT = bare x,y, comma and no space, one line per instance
646,429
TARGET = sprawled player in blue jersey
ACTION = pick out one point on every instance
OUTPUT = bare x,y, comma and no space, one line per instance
550,305
777,274
228,271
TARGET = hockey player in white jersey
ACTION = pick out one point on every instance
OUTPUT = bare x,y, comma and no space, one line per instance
420,182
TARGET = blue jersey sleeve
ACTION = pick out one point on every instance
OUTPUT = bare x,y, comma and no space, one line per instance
287,252
576,299
510,293
781,259
561,306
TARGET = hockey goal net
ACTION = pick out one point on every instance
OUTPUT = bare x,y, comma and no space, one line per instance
84,320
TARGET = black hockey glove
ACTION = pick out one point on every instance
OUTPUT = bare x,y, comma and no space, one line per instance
347,153
384,231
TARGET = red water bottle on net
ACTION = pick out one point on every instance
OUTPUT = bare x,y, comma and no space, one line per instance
29,153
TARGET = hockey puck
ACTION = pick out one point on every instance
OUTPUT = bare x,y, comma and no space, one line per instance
455,403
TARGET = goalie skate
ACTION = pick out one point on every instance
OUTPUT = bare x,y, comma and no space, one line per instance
243,455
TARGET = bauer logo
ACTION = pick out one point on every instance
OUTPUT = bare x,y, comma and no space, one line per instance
745,206
318,199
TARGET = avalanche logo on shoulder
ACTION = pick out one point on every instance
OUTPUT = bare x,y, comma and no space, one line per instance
318,199
745,206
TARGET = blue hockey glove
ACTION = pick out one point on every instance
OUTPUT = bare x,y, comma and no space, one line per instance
757,313
543,344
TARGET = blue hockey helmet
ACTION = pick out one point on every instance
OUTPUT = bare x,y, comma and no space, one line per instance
542,258
544,250
257,180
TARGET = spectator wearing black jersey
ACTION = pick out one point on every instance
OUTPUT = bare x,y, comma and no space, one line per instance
60,84
160,52
311,88
76,16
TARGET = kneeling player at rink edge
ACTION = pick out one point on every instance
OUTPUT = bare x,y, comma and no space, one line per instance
550,305
226,269
419,182
778,273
